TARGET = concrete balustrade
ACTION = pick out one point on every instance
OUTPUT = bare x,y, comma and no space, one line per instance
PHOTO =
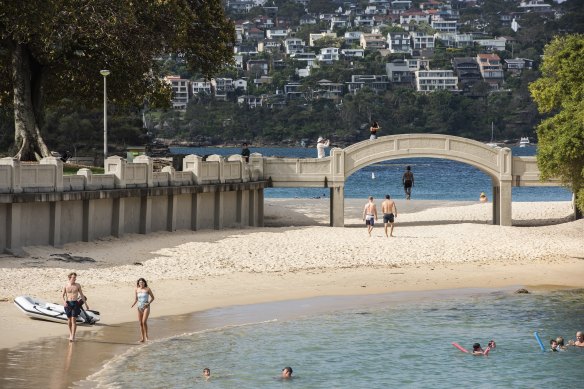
41,206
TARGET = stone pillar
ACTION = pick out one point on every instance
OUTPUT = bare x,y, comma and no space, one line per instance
58,171
505,206
496,203
117,166
118,217
193,163
337,206
55,223
144,159
218,208
239,206
13,229
256,167
145,214
171,213
252,220
261,207
88,215
14,169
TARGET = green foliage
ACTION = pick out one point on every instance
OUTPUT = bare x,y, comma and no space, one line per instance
559,92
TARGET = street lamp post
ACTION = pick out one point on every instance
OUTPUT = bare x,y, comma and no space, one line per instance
104,73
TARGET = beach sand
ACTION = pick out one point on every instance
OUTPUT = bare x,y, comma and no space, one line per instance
438,245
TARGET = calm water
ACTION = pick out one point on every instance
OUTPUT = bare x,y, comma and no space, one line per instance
399,339
435,179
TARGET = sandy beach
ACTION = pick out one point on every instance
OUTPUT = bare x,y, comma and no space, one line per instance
438,245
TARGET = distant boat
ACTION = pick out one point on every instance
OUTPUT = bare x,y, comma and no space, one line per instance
524,141
492,142
372,176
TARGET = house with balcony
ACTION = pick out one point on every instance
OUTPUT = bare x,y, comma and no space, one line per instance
238,59
353,53
444,25
372,41
240,6
277,33
328,55
494,44
455,40
413,16
399,6
221,86
433,80
255,34
180,92
377,83
353,37
491,69
418,64
340,21
258,66
421,41
535,6
364,20
399,72
468,72
200,86
294,45
399,42
308,58
293,91
330,90
271,45
251,101
262,81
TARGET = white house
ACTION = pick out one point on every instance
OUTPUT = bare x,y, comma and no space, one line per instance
432,80
276,34
240,84
328,54
294,45
201,86
353,53
180,91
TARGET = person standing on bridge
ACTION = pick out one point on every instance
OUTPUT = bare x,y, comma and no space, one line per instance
408,181
321,144
373,131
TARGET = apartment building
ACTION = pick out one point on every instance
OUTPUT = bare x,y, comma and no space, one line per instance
377,83
372,41
399,72
294,45
491,69
201,86
221,86
432,80
422,41
328,55
180,91
468,71
399,42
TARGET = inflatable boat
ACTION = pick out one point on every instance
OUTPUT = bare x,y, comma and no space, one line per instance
39,309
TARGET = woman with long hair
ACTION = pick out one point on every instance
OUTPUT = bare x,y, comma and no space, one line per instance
144,298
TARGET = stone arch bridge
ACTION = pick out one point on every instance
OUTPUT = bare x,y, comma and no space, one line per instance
505,170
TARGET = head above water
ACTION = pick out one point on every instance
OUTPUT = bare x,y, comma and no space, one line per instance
476,346
206,372
287,372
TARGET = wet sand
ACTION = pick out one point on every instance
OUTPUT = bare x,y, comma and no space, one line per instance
439,245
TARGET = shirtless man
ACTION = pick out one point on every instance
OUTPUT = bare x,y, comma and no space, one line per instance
73,298
579,340
370,215
408,182
389,213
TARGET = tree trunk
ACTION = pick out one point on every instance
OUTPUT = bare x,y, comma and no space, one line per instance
27,135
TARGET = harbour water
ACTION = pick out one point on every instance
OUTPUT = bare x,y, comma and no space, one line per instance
399,339
435,179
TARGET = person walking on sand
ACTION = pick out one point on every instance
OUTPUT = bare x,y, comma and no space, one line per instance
408,182
389,213
373,131
144,298
321,144
74,299
370,215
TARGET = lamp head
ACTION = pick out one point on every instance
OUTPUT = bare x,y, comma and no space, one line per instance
104,72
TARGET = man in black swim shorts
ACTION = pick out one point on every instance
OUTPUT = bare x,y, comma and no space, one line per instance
389,213
408,181
73,298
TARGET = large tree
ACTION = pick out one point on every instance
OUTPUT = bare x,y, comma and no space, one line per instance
53,49
560,93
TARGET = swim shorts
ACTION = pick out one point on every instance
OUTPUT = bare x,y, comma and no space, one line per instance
407,184
369,220
73,308
388,217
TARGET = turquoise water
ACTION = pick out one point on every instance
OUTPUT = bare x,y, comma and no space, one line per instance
397,340
435,179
